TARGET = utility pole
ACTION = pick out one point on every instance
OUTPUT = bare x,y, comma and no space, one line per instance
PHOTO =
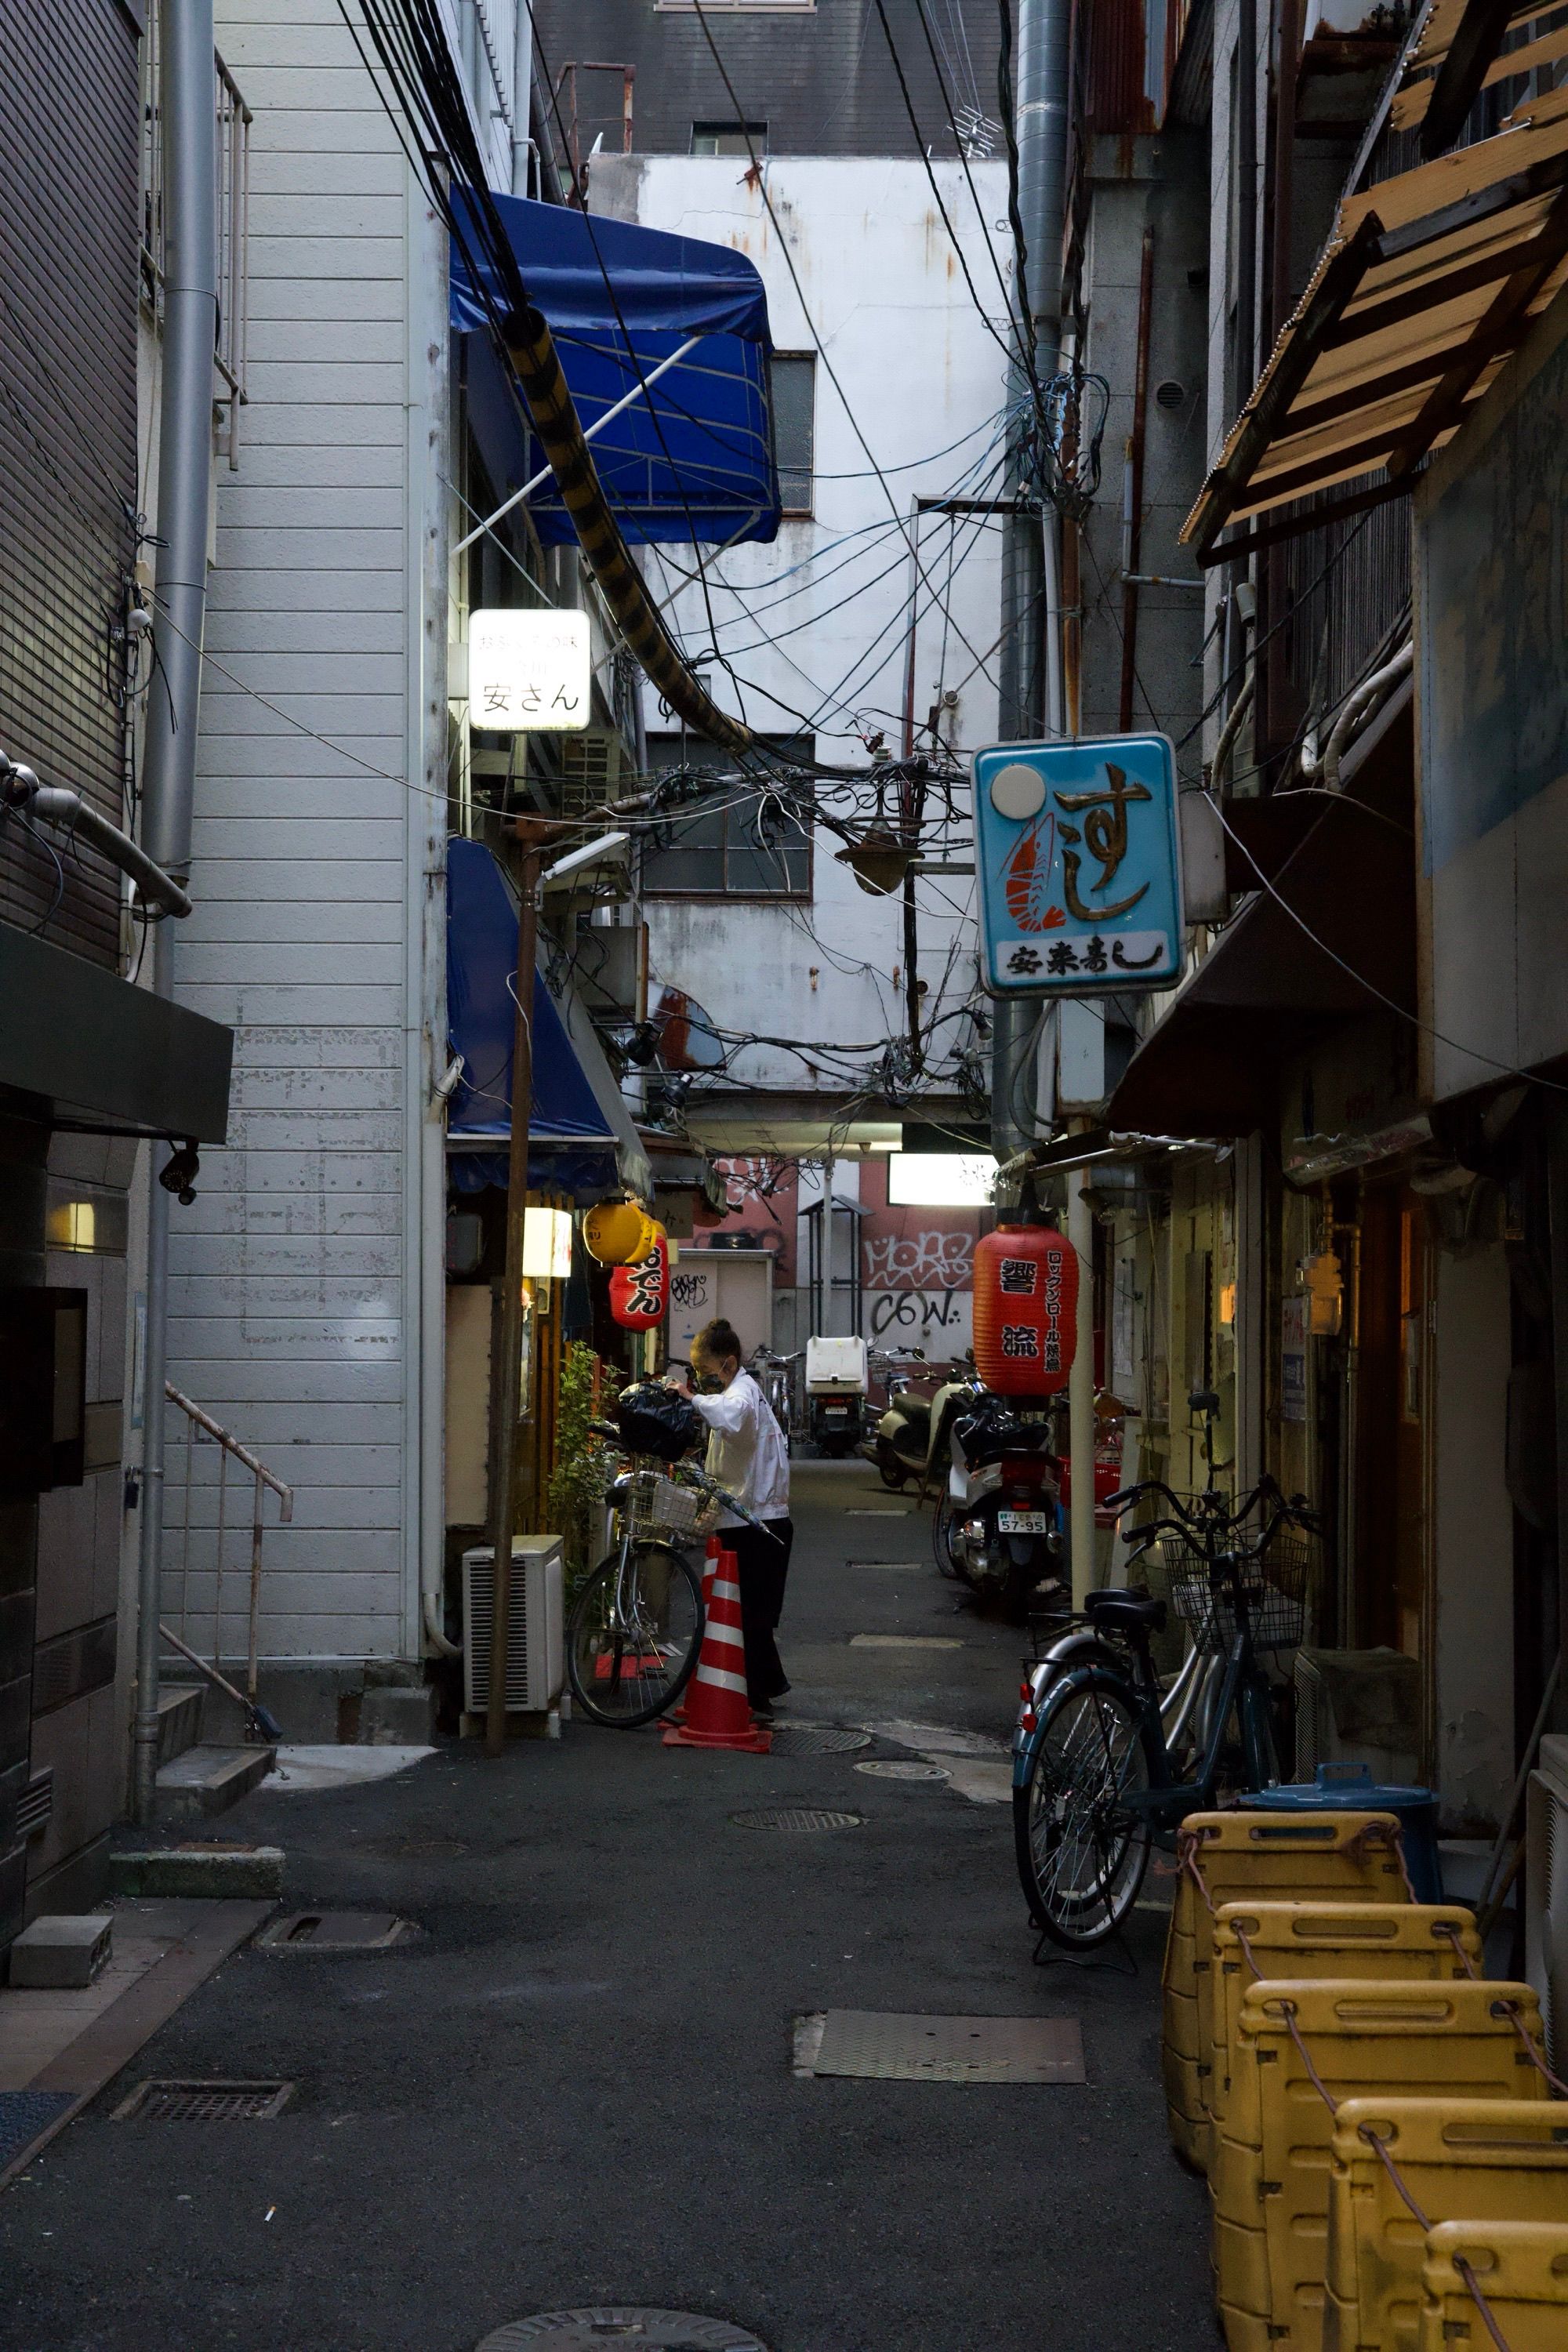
1029,603
1031,663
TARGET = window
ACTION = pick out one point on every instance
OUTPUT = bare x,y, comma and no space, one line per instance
729,139
793,392
723,851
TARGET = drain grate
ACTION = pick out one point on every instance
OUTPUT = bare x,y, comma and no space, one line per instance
795,1817
336,1931
638,2330
895,1567
817,1739
204,2102
888,1769
886,2047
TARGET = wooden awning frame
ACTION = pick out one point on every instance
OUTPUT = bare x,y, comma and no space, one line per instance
1458,52
1428,283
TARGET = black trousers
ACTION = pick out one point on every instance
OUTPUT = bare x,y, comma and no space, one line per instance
762,1562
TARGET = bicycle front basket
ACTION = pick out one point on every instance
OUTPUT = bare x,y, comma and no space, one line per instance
1275,1586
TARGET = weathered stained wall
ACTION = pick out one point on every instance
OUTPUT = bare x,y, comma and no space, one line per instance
820,77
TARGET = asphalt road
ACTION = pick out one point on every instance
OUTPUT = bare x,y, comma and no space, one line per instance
574,2088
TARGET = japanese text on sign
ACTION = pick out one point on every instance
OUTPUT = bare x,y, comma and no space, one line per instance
1080,864
529,670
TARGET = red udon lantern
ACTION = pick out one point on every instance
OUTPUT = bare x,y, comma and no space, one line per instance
639,1294
1026,1309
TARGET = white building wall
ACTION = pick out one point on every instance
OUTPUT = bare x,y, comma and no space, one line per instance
298,1273
886,297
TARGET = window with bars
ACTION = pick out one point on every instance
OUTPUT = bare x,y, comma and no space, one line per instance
736,846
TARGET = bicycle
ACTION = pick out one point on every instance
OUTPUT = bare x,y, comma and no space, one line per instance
1095,1778
637,1624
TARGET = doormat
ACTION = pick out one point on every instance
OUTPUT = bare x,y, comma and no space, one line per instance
884,2046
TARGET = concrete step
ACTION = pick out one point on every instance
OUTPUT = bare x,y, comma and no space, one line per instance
179,1718
208,1780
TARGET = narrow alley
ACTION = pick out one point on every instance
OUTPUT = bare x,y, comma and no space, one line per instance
575,2088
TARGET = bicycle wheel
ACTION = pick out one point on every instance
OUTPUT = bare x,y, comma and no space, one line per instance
1081,1855
635,1631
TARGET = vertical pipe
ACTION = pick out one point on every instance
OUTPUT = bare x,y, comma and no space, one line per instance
187,108
254,1592
521,94
1080,1390
508,1370
1133,519
1072,626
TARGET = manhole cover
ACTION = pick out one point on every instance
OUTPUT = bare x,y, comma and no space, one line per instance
204,2102
795,1817
817,1739
336,1931
414,1849
892,2048
900,1771
601,2331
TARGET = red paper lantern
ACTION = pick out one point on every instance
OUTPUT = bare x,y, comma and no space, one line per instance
639,1294
1026,1309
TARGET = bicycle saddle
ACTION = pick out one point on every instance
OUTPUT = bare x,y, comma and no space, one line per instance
1125,1611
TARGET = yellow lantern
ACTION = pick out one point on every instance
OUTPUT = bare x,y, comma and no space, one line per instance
617,1232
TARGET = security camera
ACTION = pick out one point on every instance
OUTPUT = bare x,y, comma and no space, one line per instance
178,1174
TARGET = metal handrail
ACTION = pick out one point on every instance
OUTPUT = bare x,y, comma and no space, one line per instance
262,1478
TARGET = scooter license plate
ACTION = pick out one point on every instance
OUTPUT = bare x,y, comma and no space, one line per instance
1023,1522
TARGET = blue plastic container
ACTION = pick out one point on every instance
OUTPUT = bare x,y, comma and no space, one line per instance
1350,1787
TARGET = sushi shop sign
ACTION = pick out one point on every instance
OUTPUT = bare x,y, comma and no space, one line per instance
1079,855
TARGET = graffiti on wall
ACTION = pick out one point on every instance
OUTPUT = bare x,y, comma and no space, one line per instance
918,1291
931,1261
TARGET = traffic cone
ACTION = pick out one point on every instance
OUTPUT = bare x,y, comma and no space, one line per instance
710,1569
718,1714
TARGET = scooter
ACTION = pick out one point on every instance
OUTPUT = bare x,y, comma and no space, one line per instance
998,1527
911,1437
835,1386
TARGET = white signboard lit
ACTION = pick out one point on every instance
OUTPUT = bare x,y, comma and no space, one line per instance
529,670
940,1180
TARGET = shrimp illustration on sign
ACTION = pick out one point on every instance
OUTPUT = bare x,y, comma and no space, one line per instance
1025,876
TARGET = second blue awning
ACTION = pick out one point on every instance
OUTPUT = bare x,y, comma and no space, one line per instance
690,459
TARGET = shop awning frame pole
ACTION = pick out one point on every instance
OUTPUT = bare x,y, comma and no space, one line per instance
537,481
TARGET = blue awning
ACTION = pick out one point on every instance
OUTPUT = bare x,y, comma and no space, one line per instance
482,957
693,457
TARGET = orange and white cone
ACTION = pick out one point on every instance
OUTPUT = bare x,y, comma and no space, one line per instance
710,1569
718,1713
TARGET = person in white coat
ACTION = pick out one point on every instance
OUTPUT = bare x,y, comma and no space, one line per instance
747,1454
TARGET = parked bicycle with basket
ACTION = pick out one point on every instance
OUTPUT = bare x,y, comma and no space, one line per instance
1095,1771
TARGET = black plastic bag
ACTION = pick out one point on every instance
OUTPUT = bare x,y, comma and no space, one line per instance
659,1421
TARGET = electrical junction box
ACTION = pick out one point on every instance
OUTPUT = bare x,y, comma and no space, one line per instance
835,1366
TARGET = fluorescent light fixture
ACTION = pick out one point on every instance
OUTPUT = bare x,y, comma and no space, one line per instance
529,671
940,1180
547,1244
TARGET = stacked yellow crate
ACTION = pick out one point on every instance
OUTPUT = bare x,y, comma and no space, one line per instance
1520,2267
1302,2048
1253,1856
1463,2164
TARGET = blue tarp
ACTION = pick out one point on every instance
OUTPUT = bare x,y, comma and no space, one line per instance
571,1143
691,459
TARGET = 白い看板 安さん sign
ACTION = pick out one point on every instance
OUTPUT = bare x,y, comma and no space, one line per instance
1079,857
529,669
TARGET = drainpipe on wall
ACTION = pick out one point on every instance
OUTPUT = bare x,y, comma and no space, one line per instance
187,102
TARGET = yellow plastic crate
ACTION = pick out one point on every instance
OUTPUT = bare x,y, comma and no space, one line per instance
1255,1857
1471,2160
1520,2267
1409,1941
1268,2180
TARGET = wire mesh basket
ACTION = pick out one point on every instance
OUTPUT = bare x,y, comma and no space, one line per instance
1277,1589
660,1506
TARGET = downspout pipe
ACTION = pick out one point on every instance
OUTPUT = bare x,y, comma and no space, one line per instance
187,105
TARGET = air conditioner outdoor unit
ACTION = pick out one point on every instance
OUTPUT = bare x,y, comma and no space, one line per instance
535,1657
1357,1706
1546,1890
